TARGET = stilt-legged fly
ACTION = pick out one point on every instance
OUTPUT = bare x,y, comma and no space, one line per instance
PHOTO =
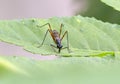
56,37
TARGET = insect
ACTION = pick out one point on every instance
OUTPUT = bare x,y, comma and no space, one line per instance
56,36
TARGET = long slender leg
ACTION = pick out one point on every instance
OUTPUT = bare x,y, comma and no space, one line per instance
64,47
61,29
66,33
45,25
67,49
50,30
44,38
53,46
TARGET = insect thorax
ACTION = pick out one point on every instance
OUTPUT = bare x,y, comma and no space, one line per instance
55,33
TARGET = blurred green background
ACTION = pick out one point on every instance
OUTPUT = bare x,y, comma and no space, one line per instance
99,10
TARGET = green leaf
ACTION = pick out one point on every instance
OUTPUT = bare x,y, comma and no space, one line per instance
87,36
7,67
101,11
113,3
78,70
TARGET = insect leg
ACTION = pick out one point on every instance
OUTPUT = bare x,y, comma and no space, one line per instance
44,38
66,33
61,29
53,46
50,30
45,25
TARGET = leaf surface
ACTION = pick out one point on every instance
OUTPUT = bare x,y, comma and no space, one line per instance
59,71
113,3
87,36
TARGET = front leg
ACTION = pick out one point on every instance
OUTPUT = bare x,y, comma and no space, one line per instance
44,38
53,47
66,33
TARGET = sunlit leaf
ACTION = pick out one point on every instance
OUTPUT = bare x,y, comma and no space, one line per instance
113,3
94,70
87,36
